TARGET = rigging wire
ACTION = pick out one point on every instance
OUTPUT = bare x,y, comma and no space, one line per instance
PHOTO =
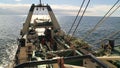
109,36
101,20
81,17
114,33
76,17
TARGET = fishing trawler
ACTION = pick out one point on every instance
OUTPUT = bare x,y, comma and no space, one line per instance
44,45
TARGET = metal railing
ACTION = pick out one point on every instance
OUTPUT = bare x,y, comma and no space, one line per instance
66,59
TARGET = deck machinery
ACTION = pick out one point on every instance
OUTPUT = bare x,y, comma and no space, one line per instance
44,45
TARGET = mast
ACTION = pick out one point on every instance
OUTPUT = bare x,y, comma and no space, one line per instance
40,2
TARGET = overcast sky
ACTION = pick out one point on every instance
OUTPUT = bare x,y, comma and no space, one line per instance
60,7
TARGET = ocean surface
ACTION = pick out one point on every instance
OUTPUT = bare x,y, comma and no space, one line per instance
10,26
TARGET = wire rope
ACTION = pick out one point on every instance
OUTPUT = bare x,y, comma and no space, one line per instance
101,20
81,17
76,16
114,33
109,36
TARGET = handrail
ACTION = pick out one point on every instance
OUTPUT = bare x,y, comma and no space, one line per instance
66,59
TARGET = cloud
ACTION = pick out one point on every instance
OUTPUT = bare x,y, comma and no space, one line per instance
96,10
16,9
100,10
18,0
13,5
22,9
65,7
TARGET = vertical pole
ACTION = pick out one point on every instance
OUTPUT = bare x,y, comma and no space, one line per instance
112,44
40,2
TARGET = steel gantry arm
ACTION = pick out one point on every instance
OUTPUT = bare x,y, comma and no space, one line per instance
28,20
53,18
54,21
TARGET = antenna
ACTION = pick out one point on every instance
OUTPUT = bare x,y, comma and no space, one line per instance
40,2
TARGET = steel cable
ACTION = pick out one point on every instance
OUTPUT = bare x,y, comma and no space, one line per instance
114,33
76,16
109,36
102,20
81,17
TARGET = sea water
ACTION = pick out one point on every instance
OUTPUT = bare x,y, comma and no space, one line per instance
10,26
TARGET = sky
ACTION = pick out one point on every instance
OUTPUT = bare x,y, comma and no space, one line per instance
60,7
